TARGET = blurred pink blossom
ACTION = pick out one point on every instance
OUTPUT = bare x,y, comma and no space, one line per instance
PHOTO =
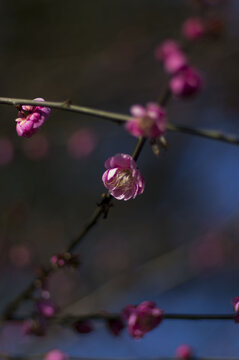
193,28
122,178
6,151
186,82
81,143
166,48
175,62
20,255
142,318
56,354
184,352
36,148
47,308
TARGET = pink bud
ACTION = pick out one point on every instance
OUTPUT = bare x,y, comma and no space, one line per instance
56,354
175,62
47,308
30,118
184,352
186,82
165,49
193,28
143,318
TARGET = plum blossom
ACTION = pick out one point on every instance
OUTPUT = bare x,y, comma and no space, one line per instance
166,48
235,303
30,118
184,352
142,318
186,82
149,121
122,178
193,28
47,308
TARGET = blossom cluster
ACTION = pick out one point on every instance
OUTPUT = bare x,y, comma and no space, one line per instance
185,79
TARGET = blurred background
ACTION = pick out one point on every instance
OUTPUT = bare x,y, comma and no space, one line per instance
177,244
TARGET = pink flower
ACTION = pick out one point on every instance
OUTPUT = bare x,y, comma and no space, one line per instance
122,178
193,28
165,49
30,118
47,308
149,121
175,62
65,259
142,318
184,352
56,354
186,82
235,303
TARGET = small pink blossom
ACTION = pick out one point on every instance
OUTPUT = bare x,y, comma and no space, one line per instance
175,62
193,28
47,308
6,151
186,82
30,118
165,49
149,121
122,178
56,354
235,303
184,352
65,259
142,318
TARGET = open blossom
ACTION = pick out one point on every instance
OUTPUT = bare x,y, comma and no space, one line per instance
30,118
149,121
142,318
186,82
122,178
193,28
184,352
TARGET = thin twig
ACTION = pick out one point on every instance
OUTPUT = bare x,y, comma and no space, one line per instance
121,118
